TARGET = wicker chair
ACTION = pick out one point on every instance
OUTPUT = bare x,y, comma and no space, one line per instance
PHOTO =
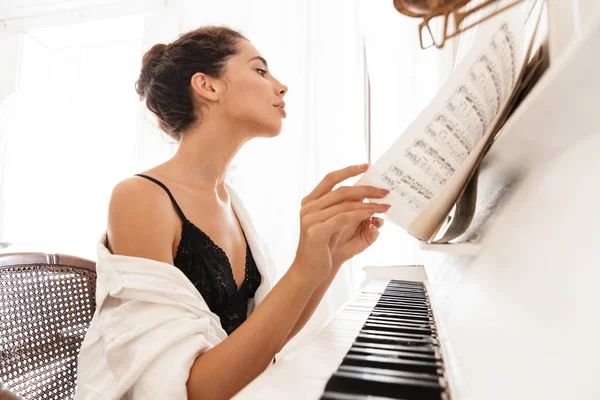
46,304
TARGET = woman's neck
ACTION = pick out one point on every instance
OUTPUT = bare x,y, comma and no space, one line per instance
205,153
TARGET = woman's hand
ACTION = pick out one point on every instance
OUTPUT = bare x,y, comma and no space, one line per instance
356,238
325,214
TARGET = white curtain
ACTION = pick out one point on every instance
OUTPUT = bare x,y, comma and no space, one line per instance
67,133
316,49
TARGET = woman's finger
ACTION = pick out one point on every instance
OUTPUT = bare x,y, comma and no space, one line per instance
323,215
332,179
346,194
333,224
373,231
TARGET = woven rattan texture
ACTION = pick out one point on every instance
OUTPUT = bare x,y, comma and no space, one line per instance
45,311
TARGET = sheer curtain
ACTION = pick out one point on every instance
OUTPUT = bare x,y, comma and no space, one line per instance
67,133
316,49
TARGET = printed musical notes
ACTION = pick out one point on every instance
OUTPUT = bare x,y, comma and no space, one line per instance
450,137
414,193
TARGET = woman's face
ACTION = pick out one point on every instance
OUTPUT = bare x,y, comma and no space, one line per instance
253,98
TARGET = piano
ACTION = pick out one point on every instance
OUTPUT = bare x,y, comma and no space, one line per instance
518,319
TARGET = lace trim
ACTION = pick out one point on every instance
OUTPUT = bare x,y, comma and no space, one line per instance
207,266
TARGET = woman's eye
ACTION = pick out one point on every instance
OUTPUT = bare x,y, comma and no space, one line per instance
261,71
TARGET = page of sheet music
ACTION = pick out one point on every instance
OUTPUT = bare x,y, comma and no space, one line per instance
426,155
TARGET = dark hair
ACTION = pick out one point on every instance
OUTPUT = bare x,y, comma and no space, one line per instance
167,69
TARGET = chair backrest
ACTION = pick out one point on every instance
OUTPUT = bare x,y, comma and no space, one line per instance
46,304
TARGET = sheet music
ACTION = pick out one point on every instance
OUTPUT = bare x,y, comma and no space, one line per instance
428,153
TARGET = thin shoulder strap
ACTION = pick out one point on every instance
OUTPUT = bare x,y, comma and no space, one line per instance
162,185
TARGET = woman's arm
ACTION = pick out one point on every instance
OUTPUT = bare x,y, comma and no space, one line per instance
354,241
222,371
311,305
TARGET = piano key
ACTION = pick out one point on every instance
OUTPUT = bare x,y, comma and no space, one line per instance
431,367
396,328
404,314
405,299
394,294
397,283
390,372
349,396
421,349
399,305
389,337
382,385
404,293
404,303
398,320
404,355
406,343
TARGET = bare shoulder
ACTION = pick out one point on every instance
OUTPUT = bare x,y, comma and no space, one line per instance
141,220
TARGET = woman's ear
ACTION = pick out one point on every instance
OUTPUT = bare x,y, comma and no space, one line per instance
205,86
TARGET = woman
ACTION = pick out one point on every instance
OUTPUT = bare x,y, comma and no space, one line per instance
211,91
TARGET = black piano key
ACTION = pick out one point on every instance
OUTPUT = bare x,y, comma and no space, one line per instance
403,297
407,296
395,328
428,349
429,367
403,314
399,305
405,284
404,292
399,320
403,303
404,355
389,372
419,311
382,385
406,339
350,396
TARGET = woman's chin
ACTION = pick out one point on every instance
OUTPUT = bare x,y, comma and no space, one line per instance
272,131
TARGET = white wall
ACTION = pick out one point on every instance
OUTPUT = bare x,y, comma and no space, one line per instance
566,19
10,52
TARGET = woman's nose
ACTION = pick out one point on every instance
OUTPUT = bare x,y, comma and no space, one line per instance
282,90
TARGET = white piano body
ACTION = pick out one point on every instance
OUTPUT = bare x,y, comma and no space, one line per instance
518,320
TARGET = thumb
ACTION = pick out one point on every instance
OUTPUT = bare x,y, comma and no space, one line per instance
373,232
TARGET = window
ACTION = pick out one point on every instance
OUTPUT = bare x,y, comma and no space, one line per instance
69,134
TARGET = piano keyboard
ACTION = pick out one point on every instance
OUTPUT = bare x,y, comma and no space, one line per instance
381,345
395,355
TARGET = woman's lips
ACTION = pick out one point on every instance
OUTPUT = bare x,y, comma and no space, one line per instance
282,110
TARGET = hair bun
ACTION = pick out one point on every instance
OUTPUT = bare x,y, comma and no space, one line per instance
150,61
165,79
